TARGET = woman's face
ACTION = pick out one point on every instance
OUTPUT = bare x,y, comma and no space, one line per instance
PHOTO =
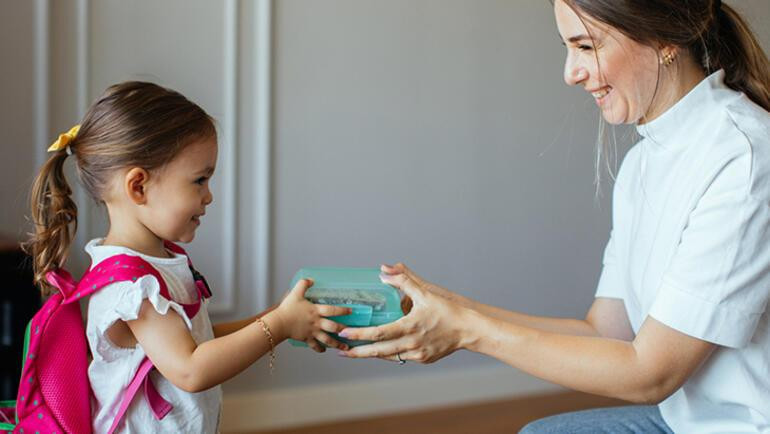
619,73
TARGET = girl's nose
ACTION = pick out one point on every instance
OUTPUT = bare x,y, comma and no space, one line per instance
208,198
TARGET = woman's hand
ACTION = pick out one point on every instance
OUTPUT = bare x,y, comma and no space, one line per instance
432,329
305,321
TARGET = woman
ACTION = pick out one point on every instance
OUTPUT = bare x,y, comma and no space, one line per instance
679,318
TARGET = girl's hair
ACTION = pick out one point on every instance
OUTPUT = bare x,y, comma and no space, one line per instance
712,32
133,124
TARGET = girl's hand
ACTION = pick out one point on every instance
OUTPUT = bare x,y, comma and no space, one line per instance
305,321
434,327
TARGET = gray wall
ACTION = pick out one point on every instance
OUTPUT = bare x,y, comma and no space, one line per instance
16,114
438,133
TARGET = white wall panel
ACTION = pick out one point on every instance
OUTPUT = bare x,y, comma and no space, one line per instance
192,48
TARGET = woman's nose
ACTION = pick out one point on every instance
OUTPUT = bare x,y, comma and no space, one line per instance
574,73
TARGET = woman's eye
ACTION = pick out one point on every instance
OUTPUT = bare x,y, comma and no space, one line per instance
584,47
200,180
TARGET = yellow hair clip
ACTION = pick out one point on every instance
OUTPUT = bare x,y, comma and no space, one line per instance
64,139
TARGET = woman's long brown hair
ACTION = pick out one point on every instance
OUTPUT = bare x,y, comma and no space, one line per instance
711,31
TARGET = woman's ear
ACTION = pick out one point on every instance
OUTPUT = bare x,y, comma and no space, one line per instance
135,185
667,54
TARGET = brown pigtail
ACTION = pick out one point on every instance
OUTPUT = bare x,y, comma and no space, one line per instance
54,216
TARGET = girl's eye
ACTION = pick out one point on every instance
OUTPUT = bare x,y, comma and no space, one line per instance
201,180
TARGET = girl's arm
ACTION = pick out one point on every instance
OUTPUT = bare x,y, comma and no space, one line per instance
223,329
194,368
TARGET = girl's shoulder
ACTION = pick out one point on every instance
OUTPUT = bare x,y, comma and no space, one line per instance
123,300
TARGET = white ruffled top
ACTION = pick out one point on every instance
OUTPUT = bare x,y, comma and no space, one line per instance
113,367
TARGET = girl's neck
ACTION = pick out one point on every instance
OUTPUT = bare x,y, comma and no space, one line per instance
143,242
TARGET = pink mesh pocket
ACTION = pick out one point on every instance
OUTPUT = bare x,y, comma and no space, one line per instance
62,370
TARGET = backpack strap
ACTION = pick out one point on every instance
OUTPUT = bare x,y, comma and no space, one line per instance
62,280
159,406
204,290
121,268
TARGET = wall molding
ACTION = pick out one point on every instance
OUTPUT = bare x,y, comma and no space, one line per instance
225,301
262,203
82,76
42,79
419,390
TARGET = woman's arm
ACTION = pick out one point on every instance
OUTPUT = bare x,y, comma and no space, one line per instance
607,316
652,366
647,370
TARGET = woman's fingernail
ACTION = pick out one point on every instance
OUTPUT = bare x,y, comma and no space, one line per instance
344,333
342,353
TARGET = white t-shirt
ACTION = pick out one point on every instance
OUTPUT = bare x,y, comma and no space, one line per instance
113,368
690,247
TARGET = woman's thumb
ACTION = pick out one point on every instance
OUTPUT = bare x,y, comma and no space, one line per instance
402,282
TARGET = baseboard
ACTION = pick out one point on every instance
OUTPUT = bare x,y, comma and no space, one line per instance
297,406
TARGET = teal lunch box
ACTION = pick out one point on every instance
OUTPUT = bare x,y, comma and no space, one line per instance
373,302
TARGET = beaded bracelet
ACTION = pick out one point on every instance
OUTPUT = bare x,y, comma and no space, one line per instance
266,329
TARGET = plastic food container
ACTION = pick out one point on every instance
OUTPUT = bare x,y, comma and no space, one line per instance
373,302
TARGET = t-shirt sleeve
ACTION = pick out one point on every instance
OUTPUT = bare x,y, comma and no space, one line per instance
123,300
717,284
610,285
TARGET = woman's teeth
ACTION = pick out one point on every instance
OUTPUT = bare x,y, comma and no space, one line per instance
601,93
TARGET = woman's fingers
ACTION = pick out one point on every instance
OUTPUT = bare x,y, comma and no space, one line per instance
385,332
329,341
383,350
400,268
329,310
402,282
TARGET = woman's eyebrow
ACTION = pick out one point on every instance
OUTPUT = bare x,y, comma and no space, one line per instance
207,171
578,38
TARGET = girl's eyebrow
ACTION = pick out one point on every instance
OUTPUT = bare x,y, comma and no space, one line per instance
207,171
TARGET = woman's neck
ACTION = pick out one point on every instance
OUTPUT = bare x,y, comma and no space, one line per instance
673,87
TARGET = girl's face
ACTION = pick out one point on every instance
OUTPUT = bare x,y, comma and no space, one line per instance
620,74
178,199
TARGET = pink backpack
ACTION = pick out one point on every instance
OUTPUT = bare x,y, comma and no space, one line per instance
54,394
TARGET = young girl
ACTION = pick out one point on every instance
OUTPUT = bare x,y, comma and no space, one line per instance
147,153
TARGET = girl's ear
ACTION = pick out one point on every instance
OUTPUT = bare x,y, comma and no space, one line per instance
135,185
